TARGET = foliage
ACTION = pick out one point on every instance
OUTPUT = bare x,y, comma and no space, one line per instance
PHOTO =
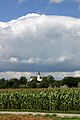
41,99
32,84
12,83
23,80
55,84
73,118
47,82
71,81
50,78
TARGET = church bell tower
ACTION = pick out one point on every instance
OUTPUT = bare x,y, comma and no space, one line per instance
39,76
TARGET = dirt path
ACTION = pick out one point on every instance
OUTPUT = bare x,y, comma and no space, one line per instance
35,113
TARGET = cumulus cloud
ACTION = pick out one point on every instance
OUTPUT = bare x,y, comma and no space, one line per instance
56,1
40,42
13,59
64,58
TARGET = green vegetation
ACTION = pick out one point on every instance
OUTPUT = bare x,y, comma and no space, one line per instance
47,82
70,118
41,99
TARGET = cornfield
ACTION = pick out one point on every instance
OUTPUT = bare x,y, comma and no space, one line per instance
43,99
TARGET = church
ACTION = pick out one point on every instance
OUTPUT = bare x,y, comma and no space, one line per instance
39,78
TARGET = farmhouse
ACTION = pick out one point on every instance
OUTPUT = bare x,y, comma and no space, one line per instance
38,77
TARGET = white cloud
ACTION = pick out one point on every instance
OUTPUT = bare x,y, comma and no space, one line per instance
13,59
9,75
33,60
56,1
60,1
64,58
77,74
20,1
40,39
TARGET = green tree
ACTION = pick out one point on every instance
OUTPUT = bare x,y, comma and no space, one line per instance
11,82
3,83
70,81
50,79
44,83
15,85
32,84
23,80
55,84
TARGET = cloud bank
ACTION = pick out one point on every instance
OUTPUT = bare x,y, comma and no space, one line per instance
56,75
40,42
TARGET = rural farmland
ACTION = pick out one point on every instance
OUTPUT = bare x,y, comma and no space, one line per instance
49,100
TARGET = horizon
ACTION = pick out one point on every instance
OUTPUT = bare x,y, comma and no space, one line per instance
56,75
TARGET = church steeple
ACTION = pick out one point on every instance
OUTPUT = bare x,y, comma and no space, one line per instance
39,78
38,72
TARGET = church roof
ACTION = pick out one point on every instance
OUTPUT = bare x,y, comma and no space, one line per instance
33,76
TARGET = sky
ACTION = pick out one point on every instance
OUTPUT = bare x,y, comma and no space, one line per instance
39,35
13,9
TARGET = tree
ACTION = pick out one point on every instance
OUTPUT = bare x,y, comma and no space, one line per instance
32,84
15,85
44,83
23,80
3,83
55,84
10,83
50,79
70,81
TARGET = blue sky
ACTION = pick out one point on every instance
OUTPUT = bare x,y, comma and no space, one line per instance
39,35
12,9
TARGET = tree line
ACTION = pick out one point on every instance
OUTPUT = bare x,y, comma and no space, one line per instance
47,82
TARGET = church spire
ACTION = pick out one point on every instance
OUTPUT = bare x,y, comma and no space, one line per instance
39,78
38,72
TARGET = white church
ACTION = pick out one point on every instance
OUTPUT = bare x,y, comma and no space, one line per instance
39,78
